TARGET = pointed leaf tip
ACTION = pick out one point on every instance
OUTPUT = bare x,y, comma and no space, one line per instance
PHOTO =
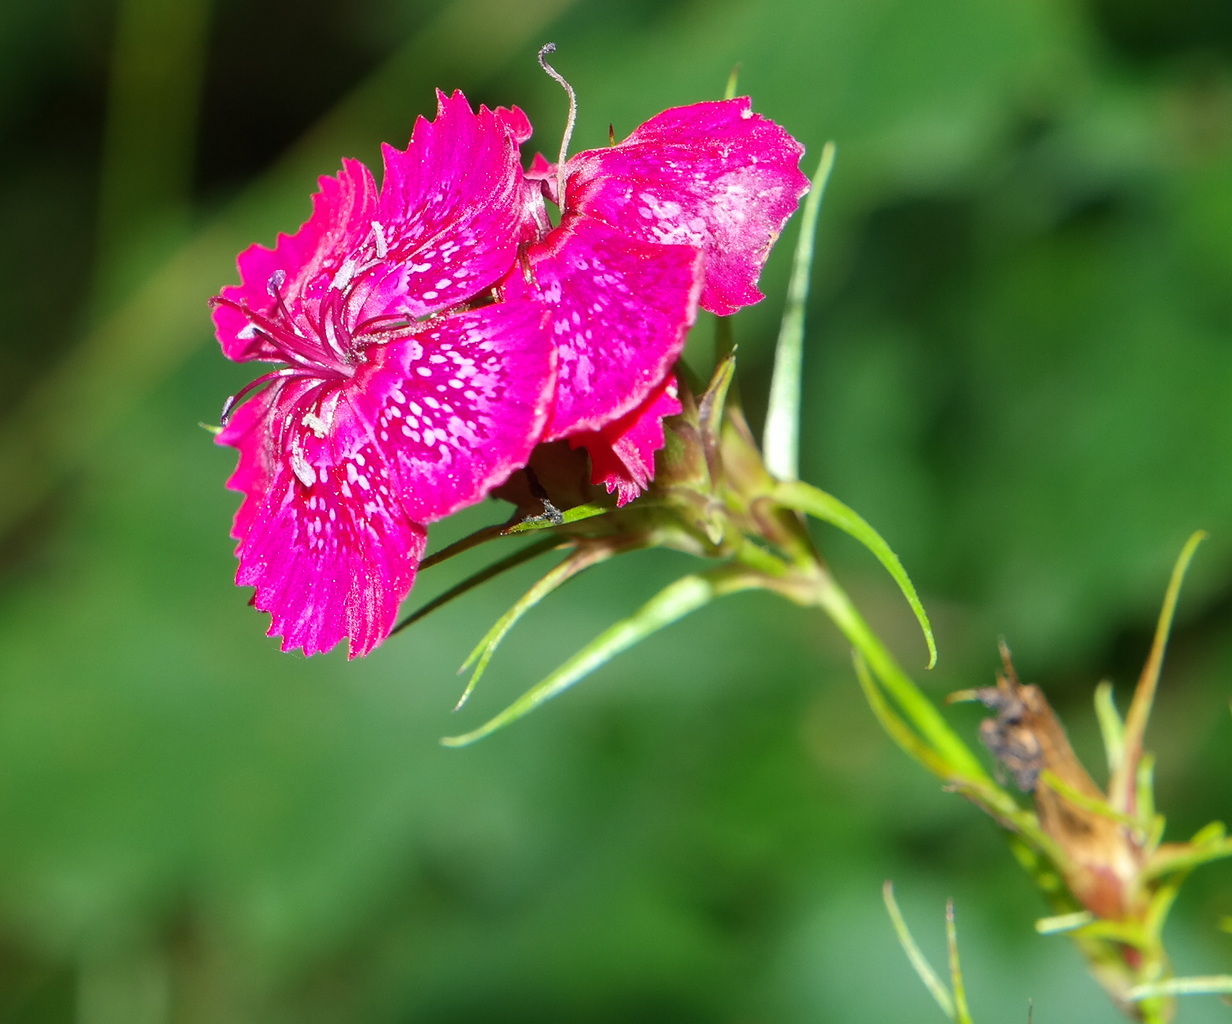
825,507
781,437
577,562
919,962
673,602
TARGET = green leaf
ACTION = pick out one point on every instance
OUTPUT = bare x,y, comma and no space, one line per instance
1190,856
577,562
671,603
1126,779
820,505
471,540
1063,923
733,79
962,1014
781,440
1111,726
1211,985
571,515
919,961
495,569
1093,805
962,765
893,723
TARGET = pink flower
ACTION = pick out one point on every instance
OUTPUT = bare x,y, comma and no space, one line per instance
429,334
681,213
403,392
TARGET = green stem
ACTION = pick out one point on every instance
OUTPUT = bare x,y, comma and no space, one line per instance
915,706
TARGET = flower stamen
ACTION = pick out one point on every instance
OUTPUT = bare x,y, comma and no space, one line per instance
228,407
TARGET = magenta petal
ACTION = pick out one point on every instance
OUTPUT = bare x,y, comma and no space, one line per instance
516,123
712,175
246,430
339,474
458,407
328,547
304,263
396,405
619,310
622,453
452,206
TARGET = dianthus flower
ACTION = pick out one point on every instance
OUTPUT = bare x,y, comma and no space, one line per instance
682,213
403,391
430,334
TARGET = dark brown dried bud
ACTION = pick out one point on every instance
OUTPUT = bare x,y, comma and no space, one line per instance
1102,860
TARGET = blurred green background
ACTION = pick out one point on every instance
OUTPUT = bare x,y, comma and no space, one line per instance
1020,370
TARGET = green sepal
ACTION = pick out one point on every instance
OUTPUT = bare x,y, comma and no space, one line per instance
710,412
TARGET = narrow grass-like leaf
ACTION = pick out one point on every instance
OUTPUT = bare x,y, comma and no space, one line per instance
781,441
1130,933
919,962
1122,787
1093,805
1062,923
471,540
498,530
729,92
1145,810
918,709
570,515
577,562
1188,859
893,723
520,557
962,1014
1211,985
1111,727
1213,832
674,602
820,505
